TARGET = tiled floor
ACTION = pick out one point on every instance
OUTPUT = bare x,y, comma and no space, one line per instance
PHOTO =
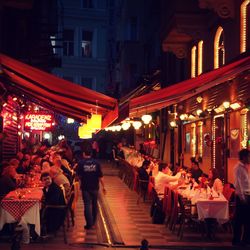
132,221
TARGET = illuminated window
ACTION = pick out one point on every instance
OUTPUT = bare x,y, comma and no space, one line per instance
193,62
243,25
197,59
87,42
200,57
219,51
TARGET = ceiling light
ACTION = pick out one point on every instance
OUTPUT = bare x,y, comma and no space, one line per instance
198,111
183,117
235,105
126,125
146,119
199,99
226,104
219,109
70,120
173,124
136,124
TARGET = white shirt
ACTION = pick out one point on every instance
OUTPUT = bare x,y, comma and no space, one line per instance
161,180
242,180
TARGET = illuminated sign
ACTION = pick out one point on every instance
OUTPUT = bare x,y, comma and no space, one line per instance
38,121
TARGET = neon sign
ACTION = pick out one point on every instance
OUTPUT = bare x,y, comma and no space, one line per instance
38,121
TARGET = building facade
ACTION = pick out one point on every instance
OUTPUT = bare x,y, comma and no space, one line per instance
82,43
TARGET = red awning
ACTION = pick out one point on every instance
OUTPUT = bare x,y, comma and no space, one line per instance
181,91
62,96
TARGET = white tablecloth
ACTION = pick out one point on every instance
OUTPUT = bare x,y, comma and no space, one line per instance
32,216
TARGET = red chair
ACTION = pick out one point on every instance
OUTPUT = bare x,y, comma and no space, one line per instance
227,191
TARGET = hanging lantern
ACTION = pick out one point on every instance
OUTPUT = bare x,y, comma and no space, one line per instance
126,125
95,123
84,132
146,119
136,124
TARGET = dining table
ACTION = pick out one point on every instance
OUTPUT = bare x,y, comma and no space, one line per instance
22,205
209,203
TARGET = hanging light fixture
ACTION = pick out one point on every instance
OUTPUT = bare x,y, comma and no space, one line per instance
146,118
126,125
70,120
136,124
84,132
95,122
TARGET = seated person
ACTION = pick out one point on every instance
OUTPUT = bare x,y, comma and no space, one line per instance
57,162
60,180
119,151
144,174
195,171
214,181
7,180
52,195
162,178
25,165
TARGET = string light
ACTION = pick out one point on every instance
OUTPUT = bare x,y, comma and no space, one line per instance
200,124
213,135
245,134
193,126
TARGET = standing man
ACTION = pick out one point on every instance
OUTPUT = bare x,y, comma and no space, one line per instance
90,174
242,191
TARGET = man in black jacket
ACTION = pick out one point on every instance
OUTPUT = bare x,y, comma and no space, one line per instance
52,195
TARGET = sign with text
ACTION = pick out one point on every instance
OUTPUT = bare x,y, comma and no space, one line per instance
38,121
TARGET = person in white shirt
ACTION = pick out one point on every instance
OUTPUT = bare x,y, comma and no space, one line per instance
241,221
214,180
163,178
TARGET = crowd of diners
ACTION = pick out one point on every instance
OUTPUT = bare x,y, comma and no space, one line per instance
55,168
177,176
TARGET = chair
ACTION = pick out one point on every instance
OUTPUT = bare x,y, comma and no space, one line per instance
187,216
227,191
67,209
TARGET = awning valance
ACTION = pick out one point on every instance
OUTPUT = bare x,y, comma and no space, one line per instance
181,91
62,96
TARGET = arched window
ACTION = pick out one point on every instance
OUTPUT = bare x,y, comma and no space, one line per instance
243,25
200,57
219,51
197,59
193,61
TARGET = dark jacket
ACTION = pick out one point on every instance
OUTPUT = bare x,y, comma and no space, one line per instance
7,184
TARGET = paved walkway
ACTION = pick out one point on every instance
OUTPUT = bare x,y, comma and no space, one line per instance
130,221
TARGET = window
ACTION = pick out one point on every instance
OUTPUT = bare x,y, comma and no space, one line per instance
244,21
219,51
197,59
87,82
87,41
200,57
193,61
68,42
87,4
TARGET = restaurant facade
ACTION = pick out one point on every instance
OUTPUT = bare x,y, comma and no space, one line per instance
206,115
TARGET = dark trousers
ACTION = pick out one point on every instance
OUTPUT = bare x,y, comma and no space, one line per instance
241,221
90,206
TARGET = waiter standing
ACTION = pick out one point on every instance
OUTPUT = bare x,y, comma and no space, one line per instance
242,191
90,174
